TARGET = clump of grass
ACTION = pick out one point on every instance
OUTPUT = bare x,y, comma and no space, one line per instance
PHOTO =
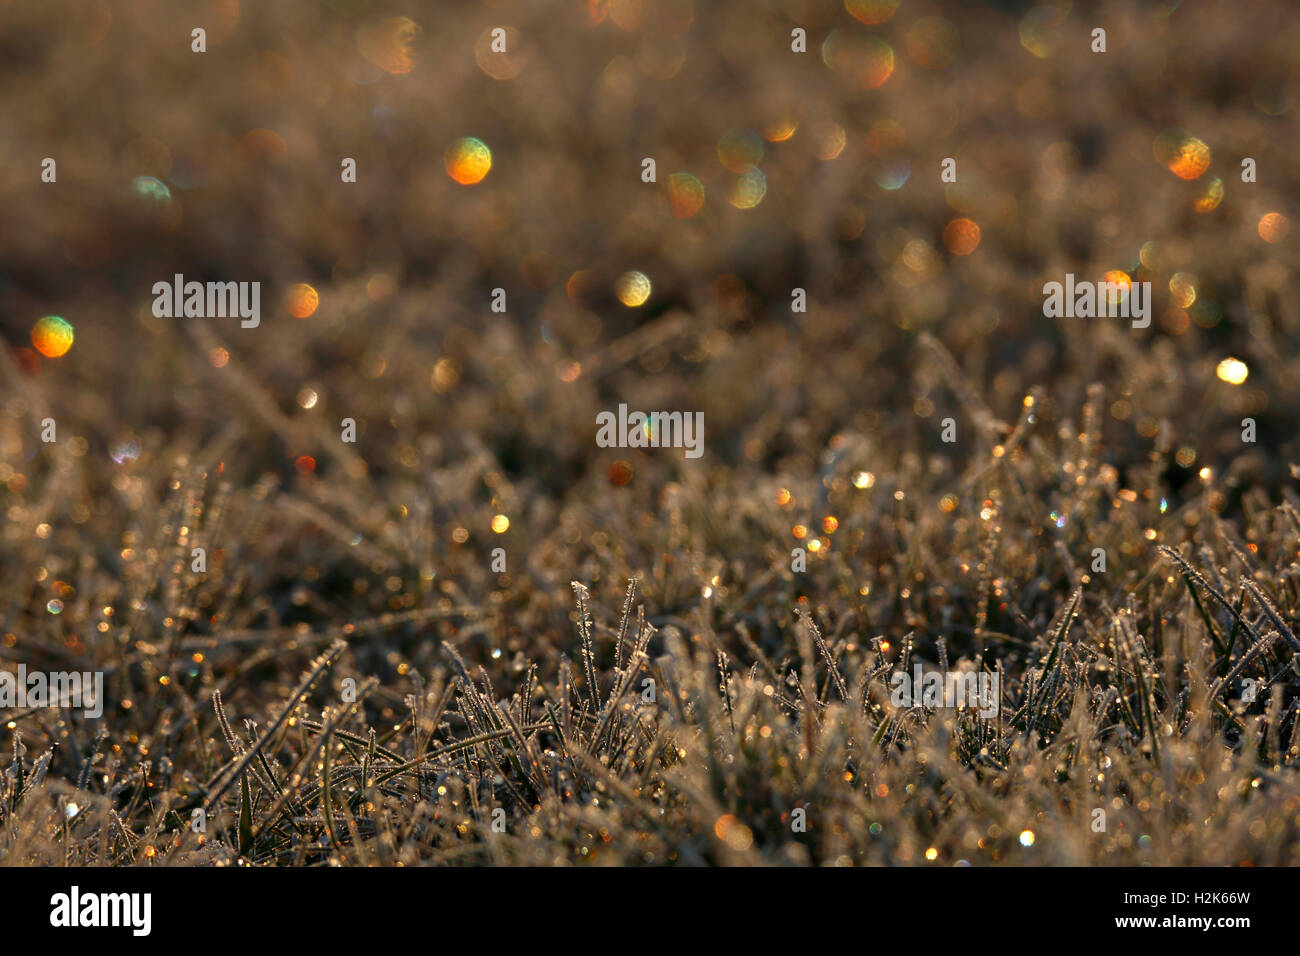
695,739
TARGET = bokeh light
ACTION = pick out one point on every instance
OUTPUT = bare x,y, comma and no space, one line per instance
1273,227
864,61
1185,156
1120,282
685,195
781,129
151,188
125,451
748,190
893,174
829,140
52,336
1182,290
632,288
302,300
468,160
1232,370
1042,27
1208,195
961,237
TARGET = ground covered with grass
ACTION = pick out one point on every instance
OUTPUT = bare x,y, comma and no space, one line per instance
684,661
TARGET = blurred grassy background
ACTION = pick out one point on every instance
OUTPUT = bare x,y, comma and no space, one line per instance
1058,154
1054,146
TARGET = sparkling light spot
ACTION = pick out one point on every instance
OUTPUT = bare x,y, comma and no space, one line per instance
1149,254
1273,227
1182,289
1118,277
685,195
961,237
733,833
55,606
52,336
1026,837
125,451
500,523
632,288
1232,370
1185,156
445,375
302,300
780,130
151,188
468,160
1119,283
748,190
1209,195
